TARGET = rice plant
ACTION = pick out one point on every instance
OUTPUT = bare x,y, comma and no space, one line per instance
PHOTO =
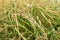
29,20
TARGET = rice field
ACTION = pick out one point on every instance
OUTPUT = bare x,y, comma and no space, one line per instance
29,20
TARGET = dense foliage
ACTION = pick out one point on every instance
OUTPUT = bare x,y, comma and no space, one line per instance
29,20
